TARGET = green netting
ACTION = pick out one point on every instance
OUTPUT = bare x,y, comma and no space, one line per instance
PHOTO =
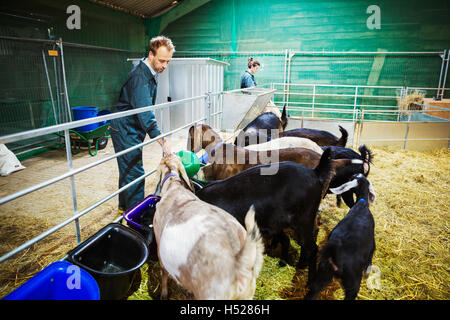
25,101
344,72
94,76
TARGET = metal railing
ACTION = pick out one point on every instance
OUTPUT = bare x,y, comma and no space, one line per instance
353,105
208,116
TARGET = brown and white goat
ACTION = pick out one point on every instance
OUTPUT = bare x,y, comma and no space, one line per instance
201,246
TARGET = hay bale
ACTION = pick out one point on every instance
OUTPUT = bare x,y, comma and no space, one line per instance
409,102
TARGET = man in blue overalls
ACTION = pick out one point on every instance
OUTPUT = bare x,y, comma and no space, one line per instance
138,91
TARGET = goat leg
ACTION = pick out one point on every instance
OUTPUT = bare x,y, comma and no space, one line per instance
285,245
164,277
351,284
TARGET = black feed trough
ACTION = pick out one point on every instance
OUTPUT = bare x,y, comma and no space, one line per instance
113,256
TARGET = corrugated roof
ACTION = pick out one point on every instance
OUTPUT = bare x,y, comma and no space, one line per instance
140,8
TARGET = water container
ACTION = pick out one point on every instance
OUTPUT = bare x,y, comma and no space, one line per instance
190,162
60,280
113,256
80,113
103,113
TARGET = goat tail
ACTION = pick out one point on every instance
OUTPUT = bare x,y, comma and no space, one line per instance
367,157
366,154
328,259
284,118
344,136
250,258
324,169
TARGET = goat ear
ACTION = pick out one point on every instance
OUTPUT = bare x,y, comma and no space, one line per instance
345,187
372,194
184,176
191,138
159,175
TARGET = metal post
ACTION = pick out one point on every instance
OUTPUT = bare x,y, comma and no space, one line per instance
58,94
72,184
407,131
66,92
208,108
288,80
313,99
440,76
303,115
284,74
355,102
445,74
360,127
49,87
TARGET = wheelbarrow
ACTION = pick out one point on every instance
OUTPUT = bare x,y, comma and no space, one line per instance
99,137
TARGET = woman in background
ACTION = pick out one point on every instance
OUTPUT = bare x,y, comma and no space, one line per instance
248,78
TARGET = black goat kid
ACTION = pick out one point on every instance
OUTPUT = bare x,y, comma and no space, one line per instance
345,174
287,199
351,244
259,129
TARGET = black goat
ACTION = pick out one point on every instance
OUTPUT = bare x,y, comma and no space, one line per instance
351,244
260,128
344,174
321,137
288,199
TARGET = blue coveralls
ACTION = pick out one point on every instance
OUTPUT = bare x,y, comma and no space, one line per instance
138,91
248,80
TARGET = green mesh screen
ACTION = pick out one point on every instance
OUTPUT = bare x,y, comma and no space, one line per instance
344,72
94,75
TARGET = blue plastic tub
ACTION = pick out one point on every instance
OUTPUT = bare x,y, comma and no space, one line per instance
80,113
103,113
60,280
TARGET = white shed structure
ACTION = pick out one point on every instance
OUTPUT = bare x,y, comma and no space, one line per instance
186,78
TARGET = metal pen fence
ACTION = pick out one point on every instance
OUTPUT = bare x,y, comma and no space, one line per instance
312,100
425,69
208,117
307,100
42,79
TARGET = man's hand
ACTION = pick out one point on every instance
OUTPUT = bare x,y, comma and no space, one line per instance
166,146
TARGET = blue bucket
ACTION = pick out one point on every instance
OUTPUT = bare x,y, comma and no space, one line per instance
103,113
80,113
60,280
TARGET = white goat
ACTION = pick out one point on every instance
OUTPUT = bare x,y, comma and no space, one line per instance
201,246
286,142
